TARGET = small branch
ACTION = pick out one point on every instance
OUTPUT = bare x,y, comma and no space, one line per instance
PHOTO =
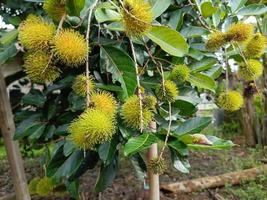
139,92
87,56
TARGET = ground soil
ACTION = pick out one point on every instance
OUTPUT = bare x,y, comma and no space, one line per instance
127,187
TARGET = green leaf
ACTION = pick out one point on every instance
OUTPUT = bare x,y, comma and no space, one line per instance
214,72
236,4
179,164
179,146
74,7
139,143
204,64
194,125
194,31
253,9
207,9
121,66
104,12
7,53
139,166
9,37
186,108
202,81
37,132
107,150
106,175
169,40
264,25
34,98
159,6
217,144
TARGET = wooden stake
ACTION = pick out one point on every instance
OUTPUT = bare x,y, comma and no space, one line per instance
153,179
7,128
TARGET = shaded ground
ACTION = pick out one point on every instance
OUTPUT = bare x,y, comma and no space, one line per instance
127,187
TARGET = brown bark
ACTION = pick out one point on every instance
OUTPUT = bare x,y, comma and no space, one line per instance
232,178
7,128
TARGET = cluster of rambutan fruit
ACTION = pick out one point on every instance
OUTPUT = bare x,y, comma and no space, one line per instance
251,46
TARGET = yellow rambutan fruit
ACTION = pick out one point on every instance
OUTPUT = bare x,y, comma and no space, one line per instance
239,32
79,85
33,184
92,127
230,100
150,102
70,47
55,8
255,46
105,102
45,186
216,40
39,68
130,113
35,33
157,165
180,73
168,91
250,70
137,17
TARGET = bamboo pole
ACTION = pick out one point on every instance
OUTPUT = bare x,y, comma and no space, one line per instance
153,179
7,128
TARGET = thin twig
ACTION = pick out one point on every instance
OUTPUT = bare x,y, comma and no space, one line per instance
139,92
87,56
168,132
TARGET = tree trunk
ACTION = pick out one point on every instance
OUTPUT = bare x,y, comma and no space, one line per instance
232,178
7,128
153,179
264,128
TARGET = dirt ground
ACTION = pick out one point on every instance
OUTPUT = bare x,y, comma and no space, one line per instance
127,187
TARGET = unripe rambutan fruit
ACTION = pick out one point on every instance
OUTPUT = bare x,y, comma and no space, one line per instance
150,102
157,165
79,85
45,186
105,102
92,127
137,17
35,33
39,68
70,47
230,100
130,113
216,40
55,9
239,32
250,70
33,184
180,73
255,46
168,92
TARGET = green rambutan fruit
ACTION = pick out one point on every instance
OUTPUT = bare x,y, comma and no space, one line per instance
105,102
150,102
35,33
70,47
255,46
180,73
216,40
39,68
230,100
239,32
168,92
79,85
55,9
250,70
157,165
137,17
45,186
33,184
92,127
130,113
